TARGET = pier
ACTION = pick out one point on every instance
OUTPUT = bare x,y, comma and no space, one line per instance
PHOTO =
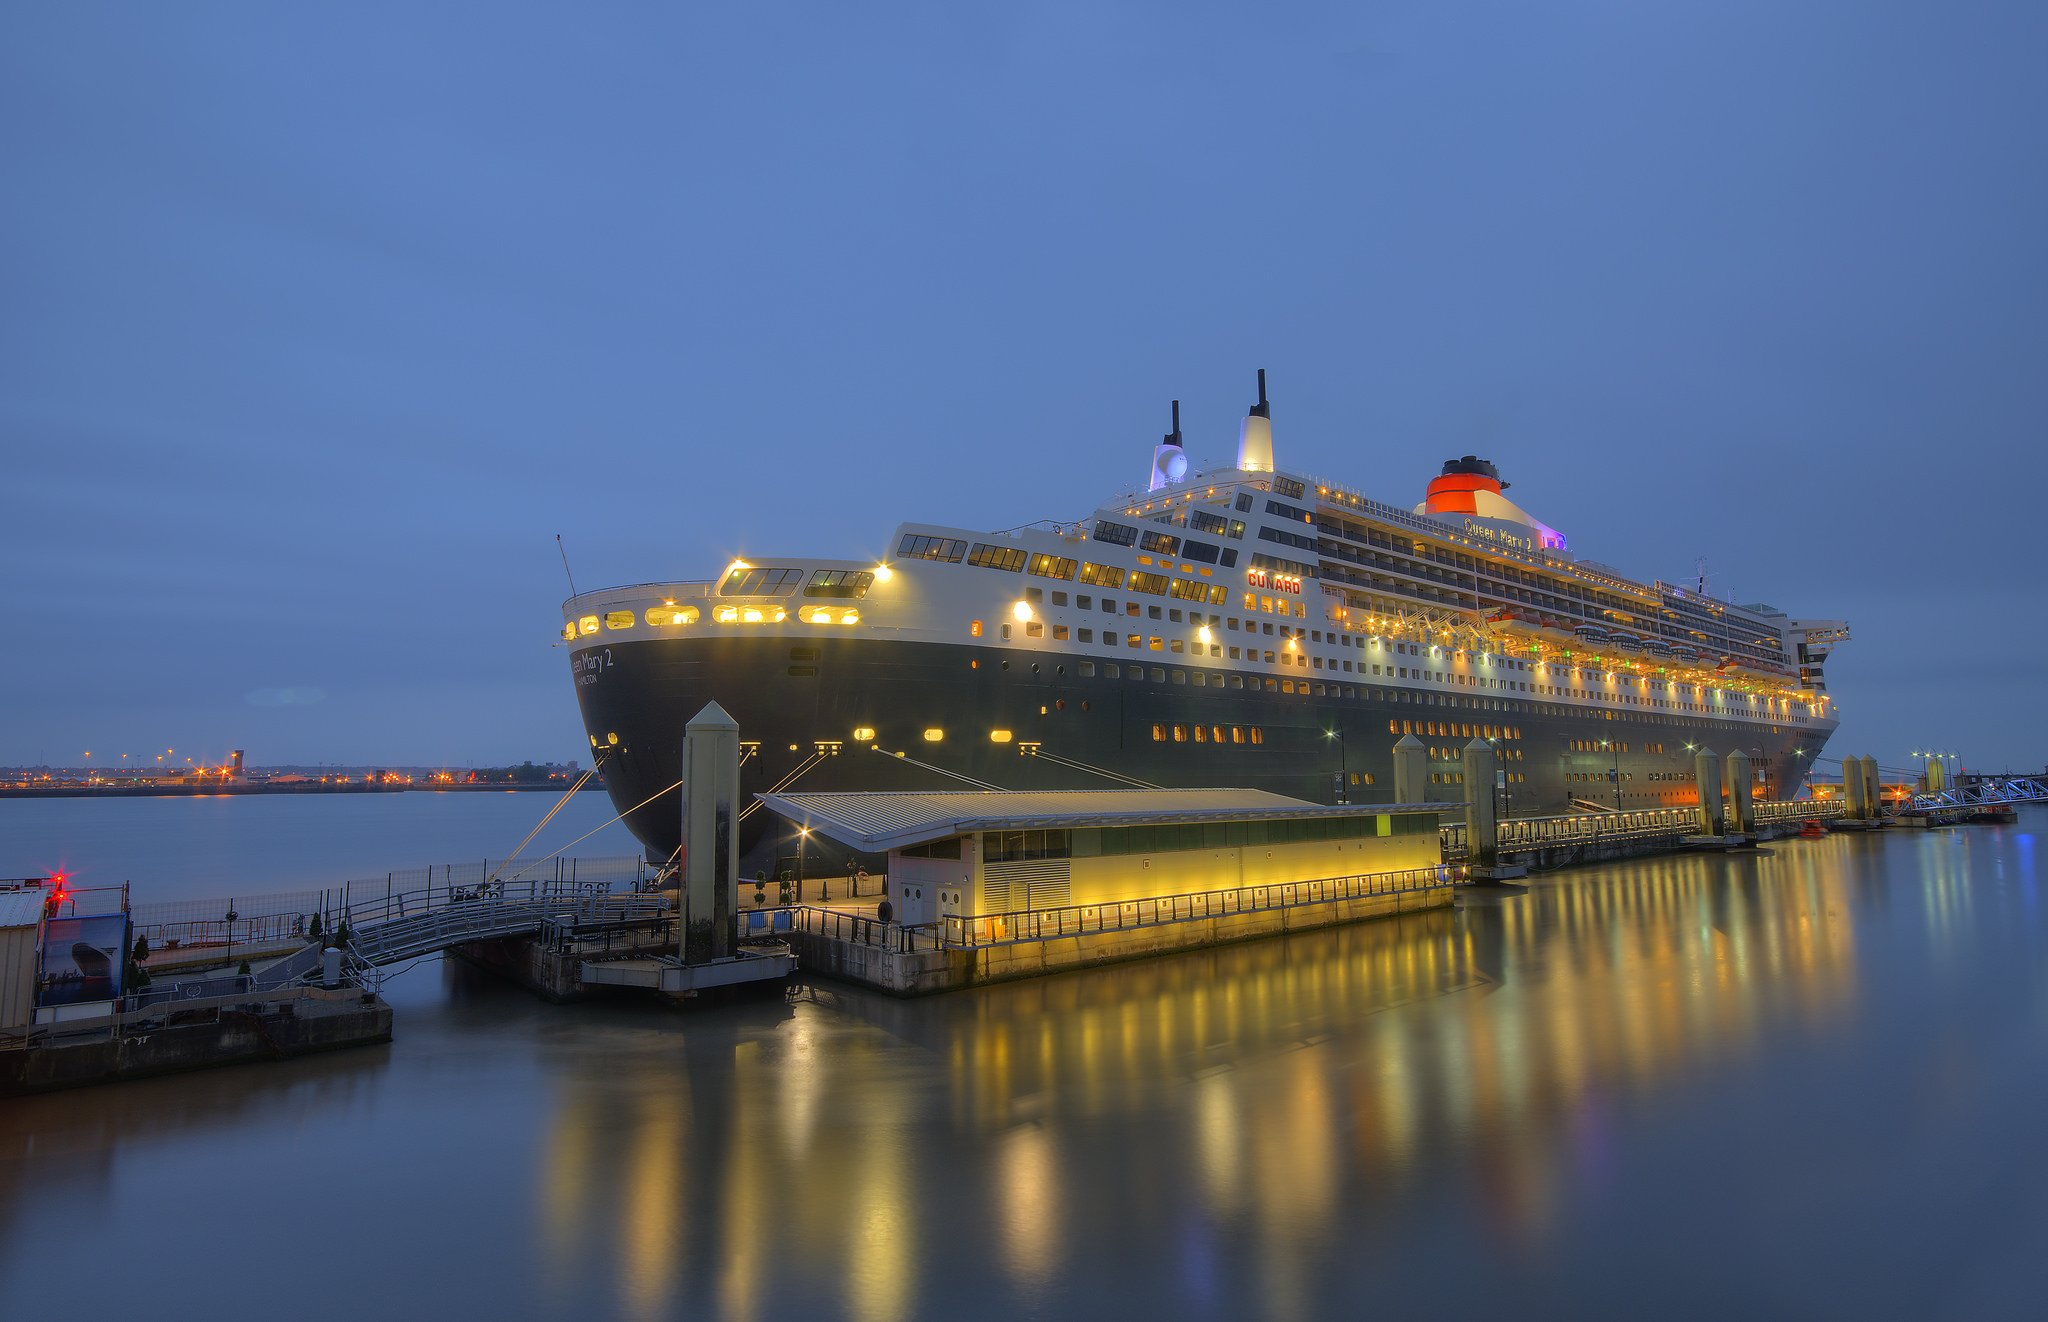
980,887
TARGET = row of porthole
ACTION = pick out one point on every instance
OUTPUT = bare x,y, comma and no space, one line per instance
662,616
865,734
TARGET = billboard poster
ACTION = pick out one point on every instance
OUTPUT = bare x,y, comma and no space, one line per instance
83,959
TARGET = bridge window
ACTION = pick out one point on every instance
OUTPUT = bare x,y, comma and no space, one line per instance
749,582
847,584
666,615
587,625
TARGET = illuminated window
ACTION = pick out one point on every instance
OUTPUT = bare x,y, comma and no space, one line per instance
974,629
1158,734
999,736
668,615
864,733
1180,734
846,584
749,582
1201,734
587,625
934,735
1258,735
568,631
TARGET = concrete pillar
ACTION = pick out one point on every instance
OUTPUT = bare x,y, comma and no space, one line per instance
1411,770
1482,816
1937,776
1741,782
1873,793
1707,771
1852,789
711,836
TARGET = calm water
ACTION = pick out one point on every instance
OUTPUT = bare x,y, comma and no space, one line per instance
1807,1083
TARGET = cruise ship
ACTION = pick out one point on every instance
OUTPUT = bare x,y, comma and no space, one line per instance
1244,627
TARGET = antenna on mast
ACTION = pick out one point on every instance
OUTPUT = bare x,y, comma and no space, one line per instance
1701,564
565,564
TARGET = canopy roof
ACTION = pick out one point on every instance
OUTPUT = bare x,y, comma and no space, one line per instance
876,820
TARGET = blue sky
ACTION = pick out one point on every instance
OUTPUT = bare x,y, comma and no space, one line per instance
316,326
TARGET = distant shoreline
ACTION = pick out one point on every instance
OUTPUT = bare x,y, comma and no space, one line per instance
217,791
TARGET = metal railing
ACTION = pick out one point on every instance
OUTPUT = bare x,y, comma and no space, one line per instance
1123,915
1521,834
384,931
1984,793
284,915
852,928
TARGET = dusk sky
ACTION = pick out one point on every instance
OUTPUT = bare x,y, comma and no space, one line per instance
317,325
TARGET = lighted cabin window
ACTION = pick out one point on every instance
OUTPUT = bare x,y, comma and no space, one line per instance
1201,734
761,582
1051,566
1158,734
568,631
917,547
1258,735
1180,734
587,625
845,584
1010,559
1152,583
1102,576
669,615
934,734
863,734
999,736
828,615
1159,543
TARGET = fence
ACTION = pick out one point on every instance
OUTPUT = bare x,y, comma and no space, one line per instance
1079,919
1517,834
287,915
956,932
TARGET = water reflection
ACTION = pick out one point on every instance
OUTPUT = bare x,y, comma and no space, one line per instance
1440,1104
1237,1106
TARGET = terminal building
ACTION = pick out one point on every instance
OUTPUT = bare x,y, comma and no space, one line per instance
975,854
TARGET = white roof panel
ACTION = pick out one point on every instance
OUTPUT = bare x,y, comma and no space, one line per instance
877,820
22,908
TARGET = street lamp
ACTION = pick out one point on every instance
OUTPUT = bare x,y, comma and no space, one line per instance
1343,765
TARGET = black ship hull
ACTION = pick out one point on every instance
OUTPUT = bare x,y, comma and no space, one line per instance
790,695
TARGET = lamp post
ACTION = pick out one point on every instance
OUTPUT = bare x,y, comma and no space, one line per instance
1343,765
1615,774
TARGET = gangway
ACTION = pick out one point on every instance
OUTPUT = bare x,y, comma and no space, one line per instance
1981,792
391,928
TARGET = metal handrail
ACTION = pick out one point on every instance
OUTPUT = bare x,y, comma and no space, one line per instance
1574,828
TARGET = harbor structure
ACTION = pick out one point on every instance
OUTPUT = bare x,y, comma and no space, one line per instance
1246,625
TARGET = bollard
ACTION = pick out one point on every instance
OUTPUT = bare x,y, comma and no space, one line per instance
1411,770
1707,772
1873,793
1741,807
1482,815
330,968
709,923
